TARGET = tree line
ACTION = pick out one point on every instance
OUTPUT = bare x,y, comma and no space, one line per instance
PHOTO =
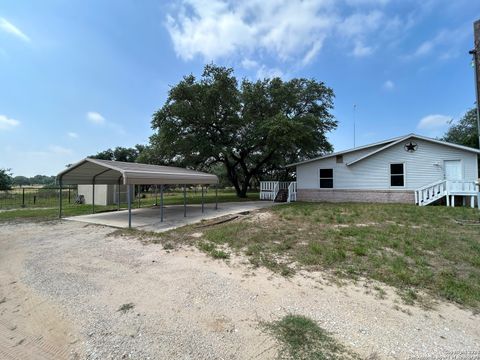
7,180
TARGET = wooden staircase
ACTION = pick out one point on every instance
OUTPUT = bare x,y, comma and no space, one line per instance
448,189
278,191
431,193
282,195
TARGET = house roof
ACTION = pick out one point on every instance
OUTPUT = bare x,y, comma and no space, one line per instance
387,143
90,171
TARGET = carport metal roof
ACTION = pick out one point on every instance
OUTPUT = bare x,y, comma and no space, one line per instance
95,171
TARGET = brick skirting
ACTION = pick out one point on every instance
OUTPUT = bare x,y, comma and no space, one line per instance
341,195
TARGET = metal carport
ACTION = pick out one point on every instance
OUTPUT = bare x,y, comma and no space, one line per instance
94,171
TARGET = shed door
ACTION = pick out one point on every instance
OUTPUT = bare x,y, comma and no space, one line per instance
453,170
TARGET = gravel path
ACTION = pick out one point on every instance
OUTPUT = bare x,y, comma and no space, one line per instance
187,306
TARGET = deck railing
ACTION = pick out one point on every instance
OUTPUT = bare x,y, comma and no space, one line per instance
270,189
292,192
448,188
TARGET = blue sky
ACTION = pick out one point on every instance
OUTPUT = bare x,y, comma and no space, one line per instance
77,77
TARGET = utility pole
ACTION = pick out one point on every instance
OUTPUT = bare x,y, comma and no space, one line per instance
476,65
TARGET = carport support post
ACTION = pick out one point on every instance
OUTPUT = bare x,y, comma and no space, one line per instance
129,201
202,199
60,201
118,199
138,190
185,200
161,203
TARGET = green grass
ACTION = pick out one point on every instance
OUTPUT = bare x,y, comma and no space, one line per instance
36,214
418,250
300,338
193,197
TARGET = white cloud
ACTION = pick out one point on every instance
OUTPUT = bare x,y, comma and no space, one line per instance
361,50
95,118
366,2
11,29
265,72
279,33
448,42
216,29
361,23
59,150
7,123
389,85
434,122
425,48
73,135
249,64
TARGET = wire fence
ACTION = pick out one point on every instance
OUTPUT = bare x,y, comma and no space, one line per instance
142,196
36,197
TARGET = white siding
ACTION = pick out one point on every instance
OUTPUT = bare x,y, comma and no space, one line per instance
100,193
374,172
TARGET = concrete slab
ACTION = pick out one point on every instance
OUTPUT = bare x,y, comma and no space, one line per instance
149,218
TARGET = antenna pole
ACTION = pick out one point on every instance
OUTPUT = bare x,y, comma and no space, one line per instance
354,125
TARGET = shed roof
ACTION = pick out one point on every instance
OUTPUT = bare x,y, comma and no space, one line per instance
89,171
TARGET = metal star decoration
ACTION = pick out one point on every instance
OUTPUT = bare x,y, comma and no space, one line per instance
410,147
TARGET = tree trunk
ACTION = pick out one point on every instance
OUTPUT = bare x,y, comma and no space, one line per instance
232,176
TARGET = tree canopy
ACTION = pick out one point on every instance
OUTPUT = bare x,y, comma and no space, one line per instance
6,180
252,128
465,131
120,153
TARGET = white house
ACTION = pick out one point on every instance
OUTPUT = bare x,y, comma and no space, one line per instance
407,169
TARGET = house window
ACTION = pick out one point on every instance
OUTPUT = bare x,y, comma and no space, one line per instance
326,178
339,159
397,175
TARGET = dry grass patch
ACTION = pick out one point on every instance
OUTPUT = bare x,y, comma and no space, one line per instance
418,250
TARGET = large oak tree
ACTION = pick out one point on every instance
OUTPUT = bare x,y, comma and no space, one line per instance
465,132
251,128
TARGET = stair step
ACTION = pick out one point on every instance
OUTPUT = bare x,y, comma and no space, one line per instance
282,195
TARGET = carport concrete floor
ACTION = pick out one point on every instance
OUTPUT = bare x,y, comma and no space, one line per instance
149,218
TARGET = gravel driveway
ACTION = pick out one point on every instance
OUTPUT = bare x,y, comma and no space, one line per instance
62,285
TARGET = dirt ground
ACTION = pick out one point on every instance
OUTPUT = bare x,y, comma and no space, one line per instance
62,285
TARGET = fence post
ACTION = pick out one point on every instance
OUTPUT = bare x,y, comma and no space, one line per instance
23,197
60,199
69,194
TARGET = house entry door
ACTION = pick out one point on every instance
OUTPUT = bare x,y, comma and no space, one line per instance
453,170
